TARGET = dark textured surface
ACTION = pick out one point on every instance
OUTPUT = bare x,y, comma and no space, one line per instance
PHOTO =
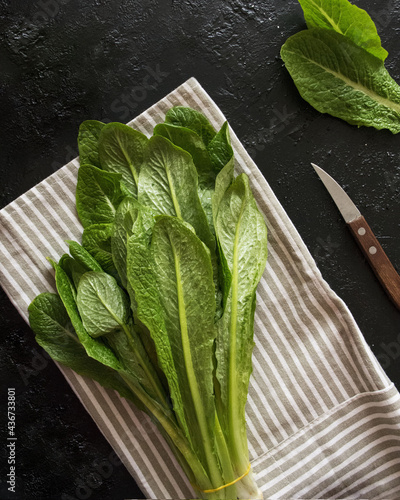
63,62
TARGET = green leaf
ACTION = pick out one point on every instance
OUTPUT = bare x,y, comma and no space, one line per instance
222,182
95,348
192,119
54,332
220,149
102,304
175,297
121,150
242,237
191,142
346,19
208,161
83,257
98,195
131,216
337,77
168,185
73,269
96,239
184,278
142,281
88,139
132,354
104,309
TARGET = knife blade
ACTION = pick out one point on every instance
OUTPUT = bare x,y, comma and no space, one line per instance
371,248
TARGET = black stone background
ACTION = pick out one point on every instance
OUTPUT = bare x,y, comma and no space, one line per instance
64,61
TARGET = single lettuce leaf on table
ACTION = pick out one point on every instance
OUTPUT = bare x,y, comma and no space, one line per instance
346,19
338,77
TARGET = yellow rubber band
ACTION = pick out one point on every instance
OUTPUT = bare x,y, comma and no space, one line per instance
229,484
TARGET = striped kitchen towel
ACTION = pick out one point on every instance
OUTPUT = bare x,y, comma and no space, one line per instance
323,418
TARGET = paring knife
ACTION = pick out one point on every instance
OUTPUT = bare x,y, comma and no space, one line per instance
364,236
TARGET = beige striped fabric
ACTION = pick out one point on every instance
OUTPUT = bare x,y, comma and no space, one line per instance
323,418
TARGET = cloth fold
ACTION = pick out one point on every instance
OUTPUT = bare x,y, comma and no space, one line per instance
323,418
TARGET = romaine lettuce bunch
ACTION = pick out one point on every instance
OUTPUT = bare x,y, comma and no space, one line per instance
158,301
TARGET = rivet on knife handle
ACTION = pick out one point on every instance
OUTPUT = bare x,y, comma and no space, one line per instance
377,258
370,246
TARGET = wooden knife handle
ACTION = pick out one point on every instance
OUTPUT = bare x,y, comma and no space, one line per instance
377,258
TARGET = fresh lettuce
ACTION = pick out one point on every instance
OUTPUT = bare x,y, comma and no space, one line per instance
158,302
337,65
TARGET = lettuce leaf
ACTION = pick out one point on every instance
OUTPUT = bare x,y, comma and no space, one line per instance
338,77
346,19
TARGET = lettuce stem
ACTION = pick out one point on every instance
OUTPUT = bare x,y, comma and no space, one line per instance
173,432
